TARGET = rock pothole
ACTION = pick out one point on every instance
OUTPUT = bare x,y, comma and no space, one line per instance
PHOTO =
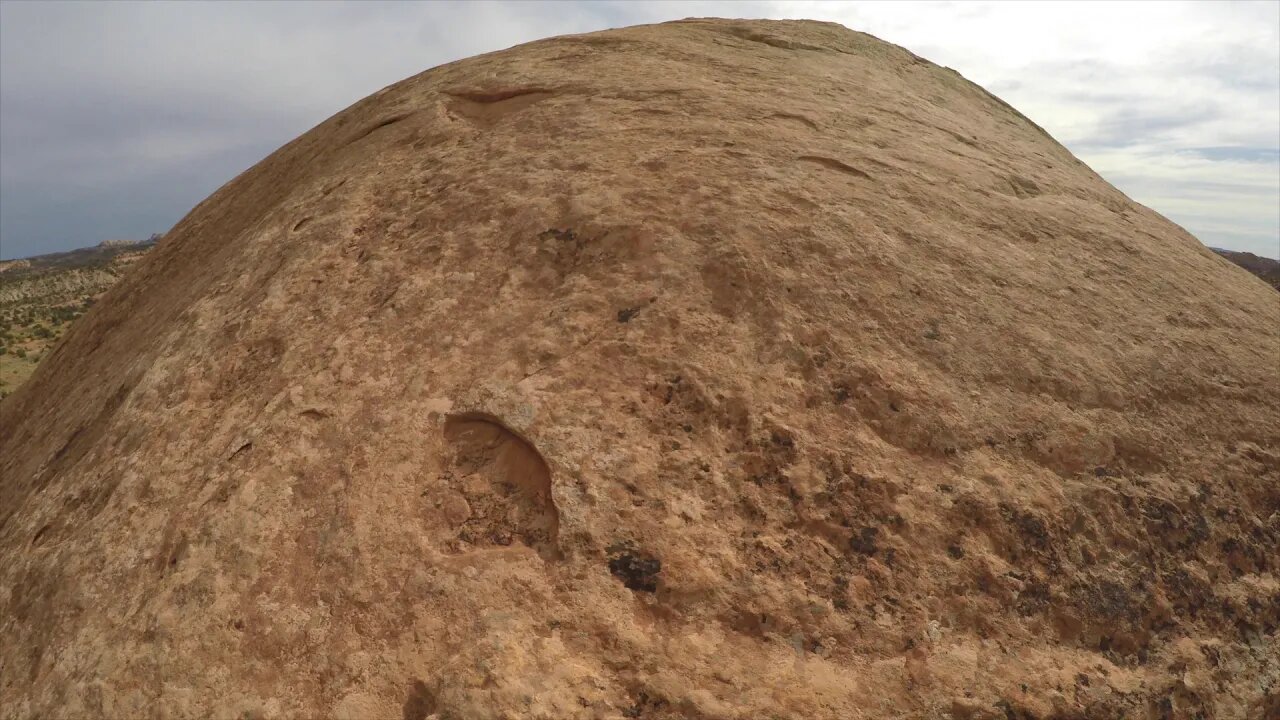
499,488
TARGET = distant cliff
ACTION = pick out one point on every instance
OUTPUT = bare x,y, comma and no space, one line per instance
1263,267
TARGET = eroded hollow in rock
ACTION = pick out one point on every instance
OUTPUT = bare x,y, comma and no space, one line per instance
506,486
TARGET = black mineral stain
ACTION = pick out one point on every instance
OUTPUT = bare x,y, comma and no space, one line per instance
420,703
638,570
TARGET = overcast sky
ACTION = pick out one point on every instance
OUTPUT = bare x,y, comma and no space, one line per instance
117,118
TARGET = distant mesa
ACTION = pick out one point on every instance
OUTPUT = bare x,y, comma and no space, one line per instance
8,265
1264,267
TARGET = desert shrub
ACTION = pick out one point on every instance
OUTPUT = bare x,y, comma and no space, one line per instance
63,314
19,352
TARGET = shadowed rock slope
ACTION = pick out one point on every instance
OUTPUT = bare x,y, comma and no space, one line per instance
703,370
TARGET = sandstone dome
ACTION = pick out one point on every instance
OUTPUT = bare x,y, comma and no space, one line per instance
712,369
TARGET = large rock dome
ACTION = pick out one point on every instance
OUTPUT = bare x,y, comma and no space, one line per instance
712,369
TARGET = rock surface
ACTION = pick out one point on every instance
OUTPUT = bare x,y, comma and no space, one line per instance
712,369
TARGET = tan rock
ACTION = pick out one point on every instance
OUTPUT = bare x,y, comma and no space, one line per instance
781,373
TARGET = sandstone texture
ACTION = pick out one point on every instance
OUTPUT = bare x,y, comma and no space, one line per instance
712,369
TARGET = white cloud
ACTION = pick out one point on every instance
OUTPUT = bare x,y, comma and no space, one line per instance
1177,104
1138,90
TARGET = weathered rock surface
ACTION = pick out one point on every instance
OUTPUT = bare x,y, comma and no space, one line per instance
704,370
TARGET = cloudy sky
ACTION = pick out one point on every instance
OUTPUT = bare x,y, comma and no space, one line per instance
117,118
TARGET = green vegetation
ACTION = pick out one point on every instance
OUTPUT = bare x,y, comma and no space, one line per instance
41,298
26,333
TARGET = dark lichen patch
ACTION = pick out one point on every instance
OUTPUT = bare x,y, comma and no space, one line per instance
1014,710
638,570
864,541
644,703
841,393
840,593
421,702
1030,527
1034,598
